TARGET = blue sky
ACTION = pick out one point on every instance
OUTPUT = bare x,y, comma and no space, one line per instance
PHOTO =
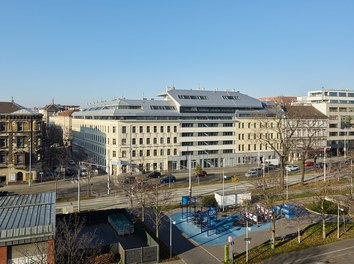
83,51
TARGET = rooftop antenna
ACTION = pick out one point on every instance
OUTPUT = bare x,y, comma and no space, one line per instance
12,99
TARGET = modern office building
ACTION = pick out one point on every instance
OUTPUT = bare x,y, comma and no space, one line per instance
20,143
338,105
197,125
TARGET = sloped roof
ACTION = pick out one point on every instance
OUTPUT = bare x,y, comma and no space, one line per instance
304,112
30,216
68,112
9,107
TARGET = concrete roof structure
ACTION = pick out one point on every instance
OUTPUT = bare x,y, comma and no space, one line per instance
176,103
27,218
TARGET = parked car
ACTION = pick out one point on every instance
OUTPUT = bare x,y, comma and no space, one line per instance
269,167
309,164
258,169
227,177
201,174
321,165
168,178
252,174
71,162
154,174
70,172
291,168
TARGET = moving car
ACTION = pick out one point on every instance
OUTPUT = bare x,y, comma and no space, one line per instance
309,164
168,178
201,174
291,168
154,174
251,173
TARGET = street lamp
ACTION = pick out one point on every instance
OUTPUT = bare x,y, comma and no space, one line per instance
324,164
30,161
287,184
171,223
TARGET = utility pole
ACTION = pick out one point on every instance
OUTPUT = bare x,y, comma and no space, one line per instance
78,188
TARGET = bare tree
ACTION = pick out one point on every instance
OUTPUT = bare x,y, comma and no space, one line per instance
72,244
275,131
320,196
268,191
37,252
160,200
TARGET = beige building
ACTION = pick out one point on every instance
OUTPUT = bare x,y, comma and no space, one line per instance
164,134
20,143
338,105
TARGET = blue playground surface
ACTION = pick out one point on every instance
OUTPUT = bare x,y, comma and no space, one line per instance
219,235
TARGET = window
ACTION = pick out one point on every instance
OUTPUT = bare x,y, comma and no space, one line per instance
133,129
168,152
133,153
2,126
147,129
20,142
175,129
227,133
168,140
19,126
332,93
161,129
161,140
187,134
124,141
114,141
124,154
140,129
148,141
124,129
141,153
114,129
174,151
133,141
175,140
161,152
227,142
227,151
155,141
148,152
187,143
155,129
141,141
2,142
342,94
155,152
187,125
2,158
20,159
168,129
114,154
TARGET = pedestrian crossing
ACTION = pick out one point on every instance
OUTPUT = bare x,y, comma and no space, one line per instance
83,180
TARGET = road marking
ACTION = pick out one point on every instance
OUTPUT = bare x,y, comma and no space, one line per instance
330,252
210,253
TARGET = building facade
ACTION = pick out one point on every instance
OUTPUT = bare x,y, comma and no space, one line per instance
20,143
196,125
338,105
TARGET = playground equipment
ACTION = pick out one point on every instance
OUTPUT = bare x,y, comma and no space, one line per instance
205,219
188,206
290,210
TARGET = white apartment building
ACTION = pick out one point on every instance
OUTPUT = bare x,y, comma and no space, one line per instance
164,134
338,105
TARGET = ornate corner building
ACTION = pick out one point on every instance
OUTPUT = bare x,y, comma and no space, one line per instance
20,144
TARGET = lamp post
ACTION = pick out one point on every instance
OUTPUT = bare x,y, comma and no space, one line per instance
171,223
223,191
30,161
324,164
78,188
287,184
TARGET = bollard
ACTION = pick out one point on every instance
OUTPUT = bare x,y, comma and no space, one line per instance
226,253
